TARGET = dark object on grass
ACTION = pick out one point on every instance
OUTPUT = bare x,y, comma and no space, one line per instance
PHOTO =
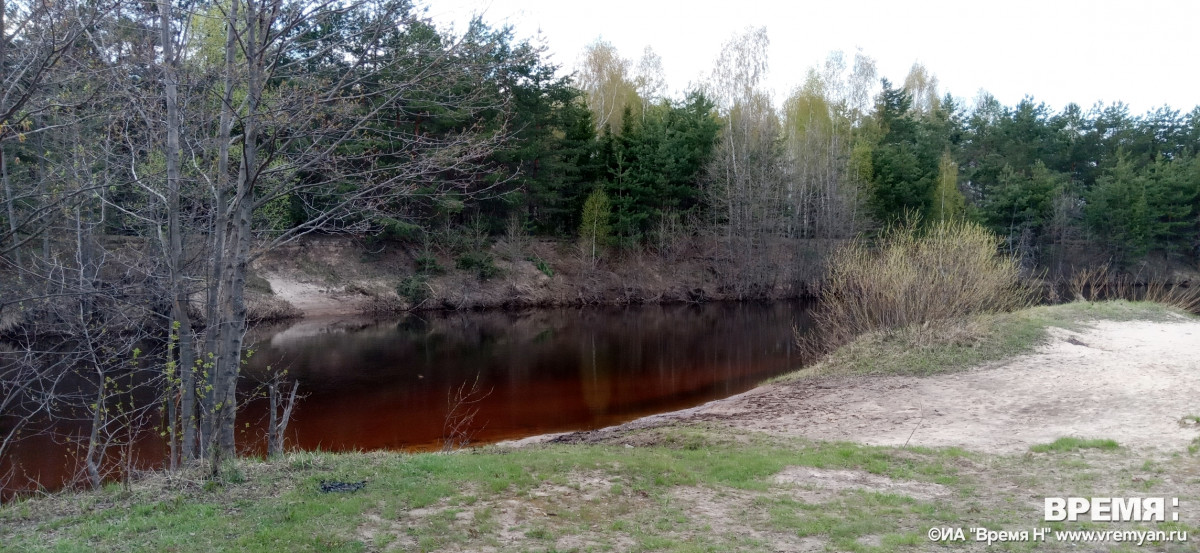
336,486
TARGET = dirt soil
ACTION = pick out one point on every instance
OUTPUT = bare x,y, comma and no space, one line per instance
338,276
1133,382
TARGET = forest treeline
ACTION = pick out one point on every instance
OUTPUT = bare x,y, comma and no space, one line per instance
845,151
151,151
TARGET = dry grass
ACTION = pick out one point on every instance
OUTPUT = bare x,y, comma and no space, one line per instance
264,308
916,276
1100,283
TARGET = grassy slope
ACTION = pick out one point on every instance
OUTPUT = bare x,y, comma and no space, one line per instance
684,488
983,339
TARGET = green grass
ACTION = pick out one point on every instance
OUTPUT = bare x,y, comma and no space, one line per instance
278,506
575,498
1067,444
957,345
858,514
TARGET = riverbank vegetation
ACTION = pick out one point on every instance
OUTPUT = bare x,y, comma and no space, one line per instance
914,275
945,295
151,155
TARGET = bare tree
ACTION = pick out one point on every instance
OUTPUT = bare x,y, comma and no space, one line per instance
28,388
292,144
743,182
185,139
35,38
604,76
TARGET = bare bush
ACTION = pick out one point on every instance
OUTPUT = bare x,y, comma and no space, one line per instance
916,276
462,406
1101,283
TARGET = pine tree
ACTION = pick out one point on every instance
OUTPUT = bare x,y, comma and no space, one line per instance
904,163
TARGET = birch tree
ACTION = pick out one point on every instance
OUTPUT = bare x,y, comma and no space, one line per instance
922,87
744,183
650,78
608,85
949,203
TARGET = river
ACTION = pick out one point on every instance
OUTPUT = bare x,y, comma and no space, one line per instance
390,384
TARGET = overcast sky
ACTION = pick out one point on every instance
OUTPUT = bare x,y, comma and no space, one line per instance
1142,53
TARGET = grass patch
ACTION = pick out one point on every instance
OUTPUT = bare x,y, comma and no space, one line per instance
664,495
947,346
434,501
1063,445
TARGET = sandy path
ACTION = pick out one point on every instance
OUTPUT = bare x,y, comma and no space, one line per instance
1128,381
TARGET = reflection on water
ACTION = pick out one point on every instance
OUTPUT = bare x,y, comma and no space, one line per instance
386,384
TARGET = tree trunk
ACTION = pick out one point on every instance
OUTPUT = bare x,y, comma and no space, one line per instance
219,229
277,430
232,304
175,259
9,204
8,193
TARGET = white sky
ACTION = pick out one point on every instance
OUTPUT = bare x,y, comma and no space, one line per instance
1142,53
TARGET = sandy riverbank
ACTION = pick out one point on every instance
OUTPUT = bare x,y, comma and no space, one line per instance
1129,381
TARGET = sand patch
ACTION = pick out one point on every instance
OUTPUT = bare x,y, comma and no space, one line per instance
830,483
313,299
1128,381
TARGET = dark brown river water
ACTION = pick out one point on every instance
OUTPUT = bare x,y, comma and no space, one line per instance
386,384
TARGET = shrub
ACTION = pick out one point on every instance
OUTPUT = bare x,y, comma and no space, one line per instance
917,275
482,264
395,229
541,265
270,308
389,230
413,288
1100,283
427,264
259,284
